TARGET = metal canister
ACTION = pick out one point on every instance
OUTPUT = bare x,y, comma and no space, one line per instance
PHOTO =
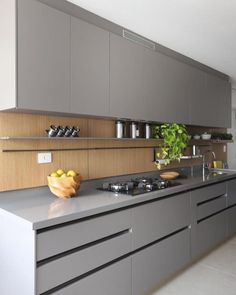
133,130
147,131
120,129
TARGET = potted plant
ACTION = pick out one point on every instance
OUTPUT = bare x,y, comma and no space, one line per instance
175,140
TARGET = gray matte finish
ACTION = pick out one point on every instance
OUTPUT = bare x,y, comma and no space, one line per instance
126,79
67,237
43,57
71,266
209,192
212,107
211,207
89,69
155,220
231,192
210,233
165,88
113,280
231,221
155,263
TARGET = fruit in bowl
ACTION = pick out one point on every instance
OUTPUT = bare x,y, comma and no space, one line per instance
64,184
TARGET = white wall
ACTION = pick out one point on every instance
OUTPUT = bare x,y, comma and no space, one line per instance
232,146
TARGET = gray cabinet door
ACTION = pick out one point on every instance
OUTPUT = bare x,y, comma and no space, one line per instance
158,219
212,107
43,57
126,79
89,69
155,263
231,192
209,233
166,82
112,280
231,221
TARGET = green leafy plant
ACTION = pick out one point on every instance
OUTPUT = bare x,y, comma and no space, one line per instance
175,140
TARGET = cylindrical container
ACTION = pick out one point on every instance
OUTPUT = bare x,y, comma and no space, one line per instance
120,129
133,130
147,131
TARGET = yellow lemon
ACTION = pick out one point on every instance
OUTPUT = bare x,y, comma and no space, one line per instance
63,175
71,173
60,172
54,174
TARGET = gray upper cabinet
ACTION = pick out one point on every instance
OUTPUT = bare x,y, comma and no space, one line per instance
43,57
126,79
210,104
89,69
165,88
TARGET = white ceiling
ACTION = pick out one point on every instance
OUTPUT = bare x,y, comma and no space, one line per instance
204,30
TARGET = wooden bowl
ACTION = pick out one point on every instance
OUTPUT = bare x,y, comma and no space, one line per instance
170,175
64,187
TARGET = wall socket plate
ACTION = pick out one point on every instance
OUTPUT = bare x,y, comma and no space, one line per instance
44,158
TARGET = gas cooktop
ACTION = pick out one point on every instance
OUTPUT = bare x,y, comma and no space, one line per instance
137,186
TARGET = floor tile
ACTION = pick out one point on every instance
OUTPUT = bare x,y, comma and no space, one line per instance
200,280
222,259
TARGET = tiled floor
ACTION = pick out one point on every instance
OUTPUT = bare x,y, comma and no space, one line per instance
215,274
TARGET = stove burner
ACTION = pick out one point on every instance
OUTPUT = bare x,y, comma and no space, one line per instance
138,186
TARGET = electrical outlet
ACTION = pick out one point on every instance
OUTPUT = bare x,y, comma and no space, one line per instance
44,158
224,148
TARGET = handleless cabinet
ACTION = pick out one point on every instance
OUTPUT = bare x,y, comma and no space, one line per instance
89,69
43,57
126,79
165,88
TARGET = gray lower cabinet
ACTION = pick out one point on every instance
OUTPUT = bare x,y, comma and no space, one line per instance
43,56
231,192
231,230
209,218
155,263
155,220
112,280
89,69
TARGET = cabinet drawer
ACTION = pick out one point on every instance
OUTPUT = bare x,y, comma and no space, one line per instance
208,192
209,233
232,192
231,221
155,220
66,268
112,280
158,261
210,207
58,240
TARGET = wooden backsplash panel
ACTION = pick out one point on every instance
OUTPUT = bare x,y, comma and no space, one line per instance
103,163
21,170
92,158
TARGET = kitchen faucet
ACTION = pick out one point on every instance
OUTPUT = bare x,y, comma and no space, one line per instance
206,165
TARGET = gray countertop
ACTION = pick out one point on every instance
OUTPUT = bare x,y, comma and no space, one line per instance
40,209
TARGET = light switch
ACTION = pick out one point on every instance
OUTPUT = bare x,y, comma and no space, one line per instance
44,158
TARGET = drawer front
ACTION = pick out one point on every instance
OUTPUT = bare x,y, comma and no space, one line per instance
231,221
61,270
208,192
209,233
232,192
112,280
211,207
155,220
155,263
58,240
